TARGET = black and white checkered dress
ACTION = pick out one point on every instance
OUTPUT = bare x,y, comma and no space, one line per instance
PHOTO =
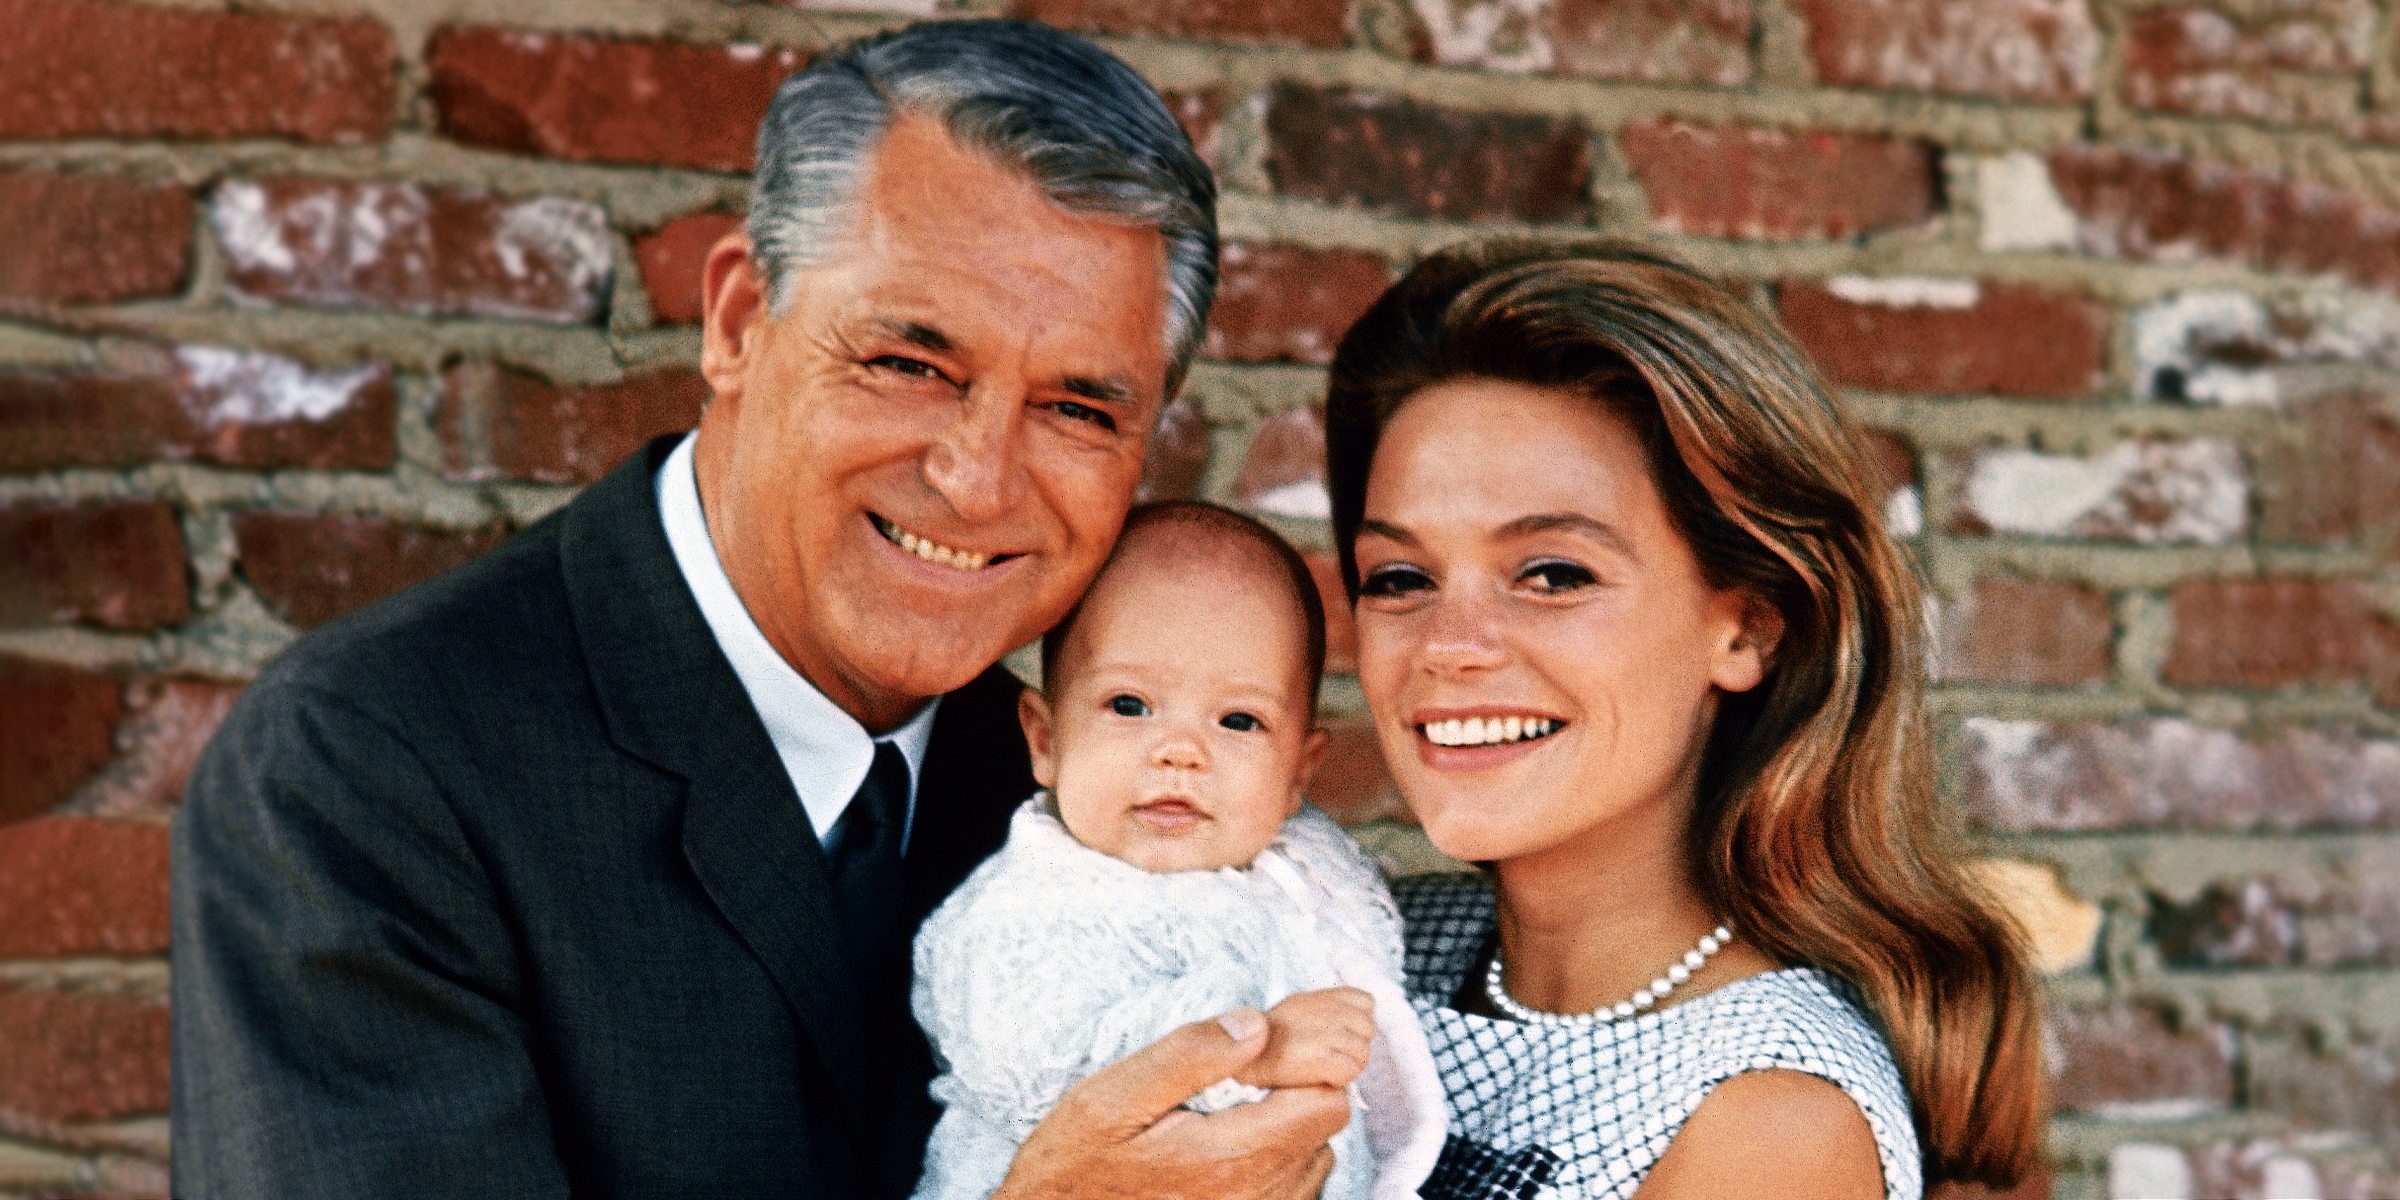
1564,1111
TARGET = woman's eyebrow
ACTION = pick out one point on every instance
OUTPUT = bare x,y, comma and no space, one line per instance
1387,531
1572,523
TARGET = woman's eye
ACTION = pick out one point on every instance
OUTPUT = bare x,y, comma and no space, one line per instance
1394,581
1128,706
1239,722
1084,412
907,366
1557,577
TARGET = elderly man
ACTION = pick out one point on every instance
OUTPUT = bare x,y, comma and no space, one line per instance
591,868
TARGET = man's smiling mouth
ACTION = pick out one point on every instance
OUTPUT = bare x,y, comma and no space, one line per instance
935,552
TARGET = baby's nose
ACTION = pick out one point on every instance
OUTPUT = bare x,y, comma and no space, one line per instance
1180,752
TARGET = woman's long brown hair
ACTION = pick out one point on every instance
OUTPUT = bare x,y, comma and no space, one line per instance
1814,827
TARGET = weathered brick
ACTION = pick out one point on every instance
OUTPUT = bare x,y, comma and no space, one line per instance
2323,920
1352,784
2149,204
2027,631
312,567
595,99
1771,183
233,407
1371,150
2291,63
167,722
2016,49
73,1057
2128,1063
1947,337
1284,473
81,68
2340,480
2149,492
56,729
1292,23
671,260
1341,633
2168,773
82,885
2060,928
1176,459
73,239
1289,303
2349,1084
411,248
1202,115
499,423
119,565
2264,633
2298,1165
1707,42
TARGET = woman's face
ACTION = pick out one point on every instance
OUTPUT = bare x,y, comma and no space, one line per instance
1536,642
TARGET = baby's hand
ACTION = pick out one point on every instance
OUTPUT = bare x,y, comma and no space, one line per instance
1315,1038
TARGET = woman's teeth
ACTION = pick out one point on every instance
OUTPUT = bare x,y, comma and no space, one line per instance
931,551
1487,731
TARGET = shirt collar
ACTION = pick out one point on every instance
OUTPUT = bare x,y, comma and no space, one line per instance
824,749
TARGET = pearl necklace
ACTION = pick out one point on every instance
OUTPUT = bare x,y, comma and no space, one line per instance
1693,959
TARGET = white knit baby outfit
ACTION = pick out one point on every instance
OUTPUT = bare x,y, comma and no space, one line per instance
1054,960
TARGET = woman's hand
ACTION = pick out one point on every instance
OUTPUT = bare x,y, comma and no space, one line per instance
1119,1133
1315,1039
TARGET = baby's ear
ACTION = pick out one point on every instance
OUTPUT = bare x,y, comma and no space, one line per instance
1312,754
1033,712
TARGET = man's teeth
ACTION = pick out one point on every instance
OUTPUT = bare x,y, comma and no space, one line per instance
932,551
1487,731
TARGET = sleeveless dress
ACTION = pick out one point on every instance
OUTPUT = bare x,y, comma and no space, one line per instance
1549,1113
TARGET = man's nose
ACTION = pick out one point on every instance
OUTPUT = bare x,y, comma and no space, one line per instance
974,461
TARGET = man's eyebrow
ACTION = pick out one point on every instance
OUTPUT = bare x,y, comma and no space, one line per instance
1569,522
1106,391
916,334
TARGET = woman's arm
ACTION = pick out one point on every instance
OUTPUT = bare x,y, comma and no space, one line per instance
1785,1133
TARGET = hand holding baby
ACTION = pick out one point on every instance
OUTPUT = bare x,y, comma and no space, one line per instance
1314,1039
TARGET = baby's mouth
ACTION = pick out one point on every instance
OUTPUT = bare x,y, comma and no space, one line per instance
1487,731
1170,814
935,552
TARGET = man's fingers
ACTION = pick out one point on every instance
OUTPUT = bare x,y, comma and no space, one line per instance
1132,1093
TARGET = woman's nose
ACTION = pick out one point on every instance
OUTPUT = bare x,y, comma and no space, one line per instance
1460,635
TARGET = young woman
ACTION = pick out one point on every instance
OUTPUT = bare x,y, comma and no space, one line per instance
1637,643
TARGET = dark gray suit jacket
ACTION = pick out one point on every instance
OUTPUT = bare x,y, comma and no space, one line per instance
498,888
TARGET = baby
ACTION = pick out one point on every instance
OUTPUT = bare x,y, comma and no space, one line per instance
1170,872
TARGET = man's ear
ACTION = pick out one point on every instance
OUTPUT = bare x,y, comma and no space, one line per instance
1033,712
1312,756
1755,629
732,300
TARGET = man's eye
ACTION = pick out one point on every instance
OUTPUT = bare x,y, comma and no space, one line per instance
907,366
1128,706
1239,722
1394,581
1556,577
1084,412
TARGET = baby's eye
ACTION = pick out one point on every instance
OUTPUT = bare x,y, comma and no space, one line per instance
1128,706
1394,580
1239,722
1555,576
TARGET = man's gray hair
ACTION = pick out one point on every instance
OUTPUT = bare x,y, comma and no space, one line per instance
1077,123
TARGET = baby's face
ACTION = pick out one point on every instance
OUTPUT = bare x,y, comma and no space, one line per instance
1179,736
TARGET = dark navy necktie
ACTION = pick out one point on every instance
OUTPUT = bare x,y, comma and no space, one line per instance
866,868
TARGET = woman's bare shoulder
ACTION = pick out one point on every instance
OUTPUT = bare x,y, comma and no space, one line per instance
1789,1132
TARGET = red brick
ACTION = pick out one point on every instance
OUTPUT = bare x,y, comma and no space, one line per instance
2328,1083
1767,183
1284,472
2028,631
73,239
1341,633
2295,63
82,885
1176,459
2016,49
1290,23
1707,42
234,408
2168,773
70,1057
2273,921
2342,480
167,722
312,567
1289,303
56,728
1202,115
2148,204
2128,1062
1352,784
671,260
120,566
1369,150
2009,341
497,423
2263,633
2152,491
415,249
604,99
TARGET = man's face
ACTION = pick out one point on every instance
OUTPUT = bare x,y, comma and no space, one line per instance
919,465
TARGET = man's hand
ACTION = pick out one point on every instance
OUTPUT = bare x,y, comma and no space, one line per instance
1314,1039
1120,1134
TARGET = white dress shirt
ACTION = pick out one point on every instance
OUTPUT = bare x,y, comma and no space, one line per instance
825,750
